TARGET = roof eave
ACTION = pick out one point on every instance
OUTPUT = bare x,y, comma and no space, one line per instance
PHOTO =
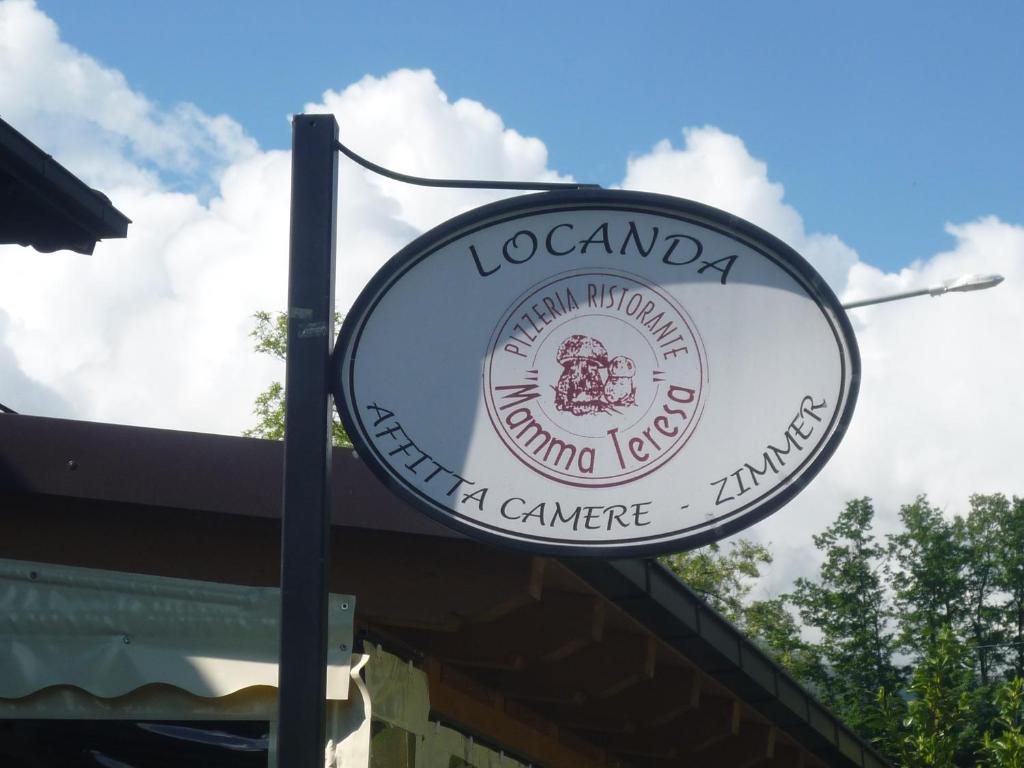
76,216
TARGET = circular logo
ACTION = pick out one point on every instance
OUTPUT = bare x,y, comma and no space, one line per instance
595,378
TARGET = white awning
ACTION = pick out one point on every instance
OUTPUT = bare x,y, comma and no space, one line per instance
110,633
78,643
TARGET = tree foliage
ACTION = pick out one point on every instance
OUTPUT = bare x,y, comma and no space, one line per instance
981,574
915,639
271,338
1009,570
1003,746
771,623
931,727
847,605
926,570
723,577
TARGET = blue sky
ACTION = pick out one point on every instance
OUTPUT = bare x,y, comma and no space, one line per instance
883,121
894,130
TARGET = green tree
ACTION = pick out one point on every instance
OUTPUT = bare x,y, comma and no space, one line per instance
982,549
926,563
847,606
775,629
1003,745
1009,572
723,577
957,613
271,337
932,727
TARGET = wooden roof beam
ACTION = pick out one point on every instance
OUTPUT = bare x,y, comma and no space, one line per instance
461,701
753,743
541,631
674,691
786,756
407,586
717,720
597,671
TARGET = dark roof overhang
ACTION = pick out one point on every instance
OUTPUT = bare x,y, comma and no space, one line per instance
45,206
469,610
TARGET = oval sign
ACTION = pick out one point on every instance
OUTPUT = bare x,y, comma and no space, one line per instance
597,372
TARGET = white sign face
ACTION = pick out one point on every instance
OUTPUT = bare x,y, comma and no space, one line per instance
597,372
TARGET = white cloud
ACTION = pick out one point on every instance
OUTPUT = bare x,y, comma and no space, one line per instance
152,330
939,411
21,393
88,116
941,390
715,168
406,123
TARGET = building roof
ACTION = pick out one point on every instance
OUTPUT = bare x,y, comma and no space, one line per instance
570,661
44,205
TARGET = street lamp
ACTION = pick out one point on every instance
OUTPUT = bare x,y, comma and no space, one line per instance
964,283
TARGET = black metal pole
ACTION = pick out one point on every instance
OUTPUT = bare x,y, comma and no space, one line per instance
305,524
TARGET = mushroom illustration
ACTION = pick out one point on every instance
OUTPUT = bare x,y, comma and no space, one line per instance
580,388
620,388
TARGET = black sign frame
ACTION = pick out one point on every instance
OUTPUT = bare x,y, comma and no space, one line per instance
348,342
